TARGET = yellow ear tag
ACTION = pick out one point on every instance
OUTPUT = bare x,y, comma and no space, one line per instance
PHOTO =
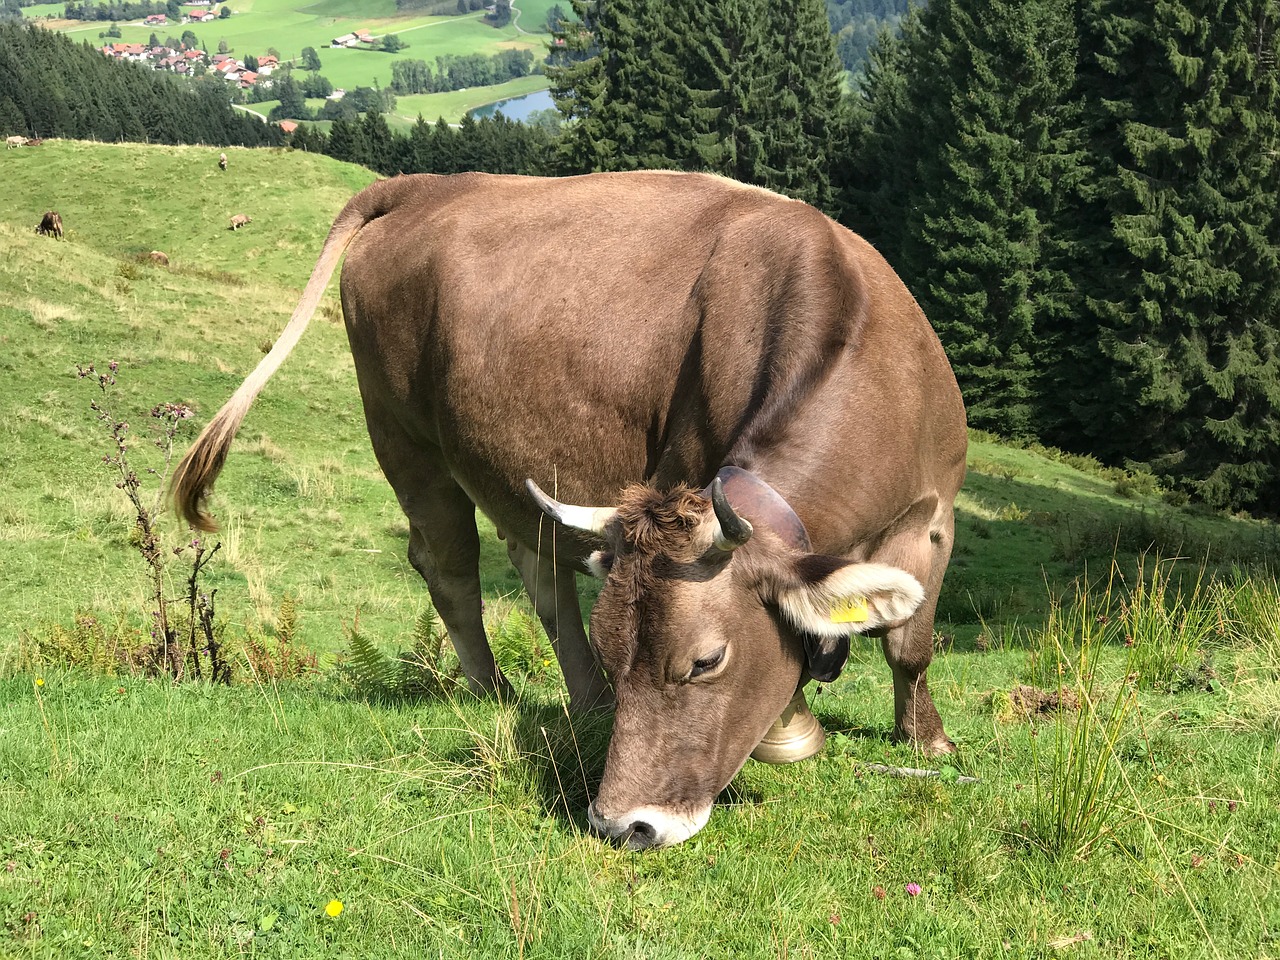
851,610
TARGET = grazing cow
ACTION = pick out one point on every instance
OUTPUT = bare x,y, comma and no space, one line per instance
239,220
50,225
222,161
34,142
12,142
159,258
762,424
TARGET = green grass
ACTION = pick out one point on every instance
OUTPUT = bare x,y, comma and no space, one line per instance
288,27
143,818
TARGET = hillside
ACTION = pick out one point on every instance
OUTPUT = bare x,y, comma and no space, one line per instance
306,510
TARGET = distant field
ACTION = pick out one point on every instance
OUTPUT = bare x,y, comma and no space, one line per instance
287,26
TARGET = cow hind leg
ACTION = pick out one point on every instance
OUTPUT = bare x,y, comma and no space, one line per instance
552,586
444,546
909,648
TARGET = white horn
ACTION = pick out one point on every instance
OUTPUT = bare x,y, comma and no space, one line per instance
591,519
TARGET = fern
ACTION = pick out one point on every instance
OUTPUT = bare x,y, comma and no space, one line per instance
371,673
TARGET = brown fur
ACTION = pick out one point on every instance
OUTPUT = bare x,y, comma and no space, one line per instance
50,225
714,325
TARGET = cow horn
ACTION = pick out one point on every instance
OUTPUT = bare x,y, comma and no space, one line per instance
732,531
591,519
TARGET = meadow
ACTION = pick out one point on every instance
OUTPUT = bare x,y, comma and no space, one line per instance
335,814
288,27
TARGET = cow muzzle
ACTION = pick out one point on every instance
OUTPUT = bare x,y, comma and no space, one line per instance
647,827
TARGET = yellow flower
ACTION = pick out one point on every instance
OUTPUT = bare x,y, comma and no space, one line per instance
333,908
39,681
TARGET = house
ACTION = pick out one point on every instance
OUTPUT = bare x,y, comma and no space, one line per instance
346,40
363,36
156,20
288,126
201,16
248,79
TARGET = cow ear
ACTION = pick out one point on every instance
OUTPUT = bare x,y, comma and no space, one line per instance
830,598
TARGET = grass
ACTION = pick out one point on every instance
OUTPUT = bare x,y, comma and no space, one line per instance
164,820
288,27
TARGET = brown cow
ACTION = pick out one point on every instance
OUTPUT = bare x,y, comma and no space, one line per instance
50,225
222,161
239,220
764,421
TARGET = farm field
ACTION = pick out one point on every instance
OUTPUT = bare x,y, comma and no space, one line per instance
288,27
315,817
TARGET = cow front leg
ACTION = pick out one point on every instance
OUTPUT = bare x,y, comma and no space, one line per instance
552,586
909,648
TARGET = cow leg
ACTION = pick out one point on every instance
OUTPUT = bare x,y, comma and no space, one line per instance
553,589
444,545
909,648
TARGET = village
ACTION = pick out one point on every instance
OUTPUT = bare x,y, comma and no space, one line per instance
188,61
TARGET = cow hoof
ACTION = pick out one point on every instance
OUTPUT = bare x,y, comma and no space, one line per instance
796,735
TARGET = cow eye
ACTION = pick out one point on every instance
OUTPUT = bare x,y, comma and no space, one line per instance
706,664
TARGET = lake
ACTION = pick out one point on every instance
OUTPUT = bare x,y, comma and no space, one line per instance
517,108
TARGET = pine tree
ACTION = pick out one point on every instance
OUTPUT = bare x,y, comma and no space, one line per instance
1177,344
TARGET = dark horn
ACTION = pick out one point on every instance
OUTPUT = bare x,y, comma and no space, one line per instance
734,530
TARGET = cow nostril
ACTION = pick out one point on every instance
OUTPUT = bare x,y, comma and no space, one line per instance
640,835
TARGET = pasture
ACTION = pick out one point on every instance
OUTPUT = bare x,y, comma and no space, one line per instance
323,816
288,27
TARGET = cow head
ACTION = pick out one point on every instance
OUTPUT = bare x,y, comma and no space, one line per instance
712,611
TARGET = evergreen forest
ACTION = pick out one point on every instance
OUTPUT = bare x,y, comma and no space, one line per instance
1080,193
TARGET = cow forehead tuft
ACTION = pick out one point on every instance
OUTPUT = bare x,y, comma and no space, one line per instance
650,518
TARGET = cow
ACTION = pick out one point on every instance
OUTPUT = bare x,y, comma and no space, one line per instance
11,143
715,398
159,258
239,220
50,225
222,161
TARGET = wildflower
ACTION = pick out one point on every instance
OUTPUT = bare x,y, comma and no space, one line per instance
913,889
39,681
333,908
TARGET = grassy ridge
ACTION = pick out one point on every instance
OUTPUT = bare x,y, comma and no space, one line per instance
165,821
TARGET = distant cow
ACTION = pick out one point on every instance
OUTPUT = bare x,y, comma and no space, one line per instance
50,225
158,258
34,142
222,161
240,220
11,142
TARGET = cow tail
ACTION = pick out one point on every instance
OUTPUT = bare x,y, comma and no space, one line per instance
195,475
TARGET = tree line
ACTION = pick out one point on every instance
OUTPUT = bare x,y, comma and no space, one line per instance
53,87
117,10
460,72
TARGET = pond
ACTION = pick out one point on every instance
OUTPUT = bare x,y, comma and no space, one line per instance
517,108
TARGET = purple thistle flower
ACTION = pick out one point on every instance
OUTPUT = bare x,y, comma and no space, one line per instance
913,889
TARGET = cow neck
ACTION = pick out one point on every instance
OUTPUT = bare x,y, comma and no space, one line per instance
759,503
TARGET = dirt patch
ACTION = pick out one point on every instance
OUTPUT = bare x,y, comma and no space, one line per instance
1028,700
